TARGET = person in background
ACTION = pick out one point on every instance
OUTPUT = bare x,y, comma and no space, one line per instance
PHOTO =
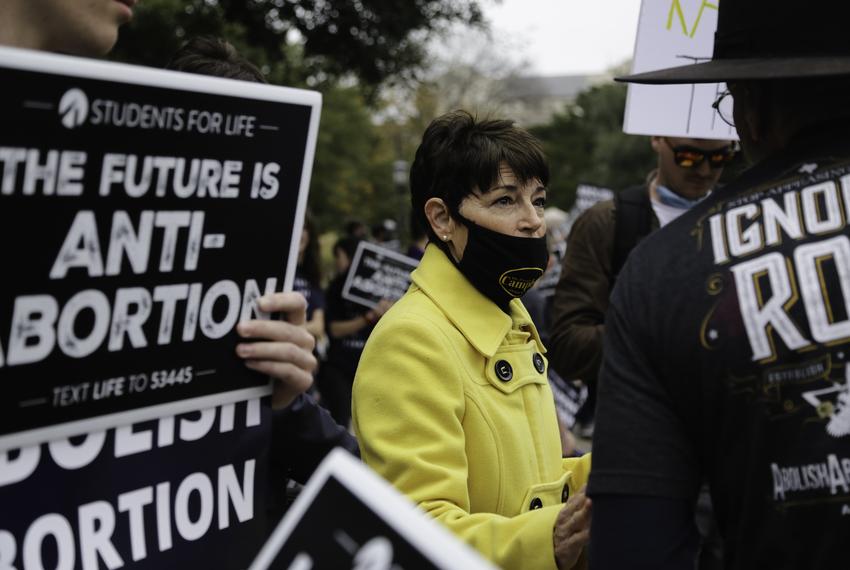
348,326
356,229
451,400
385,234
308,279
726,342
601,239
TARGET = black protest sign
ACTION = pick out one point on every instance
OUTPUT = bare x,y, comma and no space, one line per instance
186,491
569,396
377,273
348,517
141,213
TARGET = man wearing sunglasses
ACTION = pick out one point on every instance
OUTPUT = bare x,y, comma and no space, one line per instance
600,241
687,171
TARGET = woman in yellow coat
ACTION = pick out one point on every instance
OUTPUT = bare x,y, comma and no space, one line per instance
451,400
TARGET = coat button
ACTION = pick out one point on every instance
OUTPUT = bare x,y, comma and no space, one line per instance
539,365
504,370
565,494
536,503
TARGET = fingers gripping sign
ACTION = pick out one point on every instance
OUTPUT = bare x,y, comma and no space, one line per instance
283,348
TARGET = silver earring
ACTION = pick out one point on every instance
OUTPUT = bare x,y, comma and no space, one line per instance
445,238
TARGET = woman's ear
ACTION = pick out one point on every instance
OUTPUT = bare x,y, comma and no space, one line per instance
437,213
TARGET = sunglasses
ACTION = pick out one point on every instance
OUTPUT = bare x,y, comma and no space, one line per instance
691,157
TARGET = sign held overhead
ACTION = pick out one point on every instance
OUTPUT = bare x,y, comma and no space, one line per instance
673,33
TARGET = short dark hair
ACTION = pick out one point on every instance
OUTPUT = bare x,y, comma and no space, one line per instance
417,232
460,153
348,245
214,56
356,228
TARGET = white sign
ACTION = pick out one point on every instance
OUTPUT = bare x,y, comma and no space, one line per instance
348,517
673,33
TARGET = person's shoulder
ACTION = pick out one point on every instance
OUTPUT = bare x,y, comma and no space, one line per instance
415,311
662,246
665,255
597,218
413,336
600,210
416,324
635,193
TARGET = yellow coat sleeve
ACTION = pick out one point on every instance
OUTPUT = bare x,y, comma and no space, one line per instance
408,407
580,467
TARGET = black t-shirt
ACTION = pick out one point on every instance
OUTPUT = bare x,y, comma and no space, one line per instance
725,360
311,291
302,435
344,352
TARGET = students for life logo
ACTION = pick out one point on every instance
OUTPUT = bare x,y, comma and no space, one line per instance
73,108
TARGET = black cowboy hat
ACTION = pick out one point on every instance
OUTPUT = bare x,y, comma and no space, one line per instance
769,39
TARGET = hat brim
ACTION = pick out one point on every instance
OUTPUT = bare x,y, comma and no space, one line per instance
720,70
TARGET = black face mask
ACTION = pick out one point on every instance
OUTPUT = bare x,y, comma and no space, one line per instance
500,266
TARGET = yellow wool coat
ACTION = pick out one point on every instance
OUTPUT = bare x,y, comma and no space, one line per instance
452,406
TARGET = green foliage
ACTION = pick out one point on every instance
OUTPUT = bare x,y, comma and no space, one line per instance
352,175
586,144
160,27
371,40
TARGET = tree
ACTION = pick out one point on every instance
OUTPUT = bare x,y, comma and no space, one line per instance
352,174
586,144
371,40
346,49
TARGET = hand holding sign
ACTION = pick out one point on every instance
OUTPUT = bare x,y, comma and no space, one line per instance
285,351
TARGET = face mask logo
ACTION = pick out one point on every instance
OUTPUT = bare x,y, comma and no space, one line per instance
517,281
502,267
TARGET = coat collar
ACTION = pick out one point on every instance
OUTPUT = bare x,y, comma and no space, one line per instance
478,318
